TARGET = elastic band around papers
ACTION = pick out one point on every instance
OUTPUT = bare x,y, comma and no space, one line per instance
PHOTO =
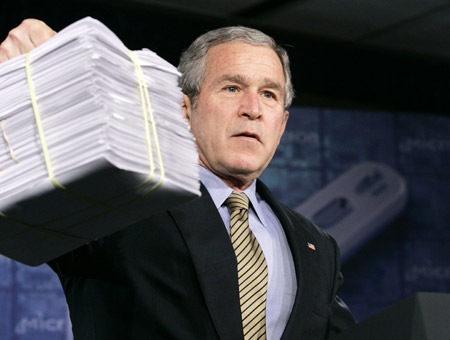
146,105
142,88
146,112
37,116
148,117
46,153
11,151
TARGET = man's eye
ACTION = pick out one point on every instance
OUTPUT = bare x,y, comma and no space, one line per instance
268,94
231,88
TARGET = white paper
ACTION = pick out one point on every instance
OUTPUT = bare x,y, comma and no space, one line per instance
90,107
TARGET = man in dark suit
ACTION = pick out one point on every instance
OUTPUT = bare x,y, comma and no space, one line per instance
176,275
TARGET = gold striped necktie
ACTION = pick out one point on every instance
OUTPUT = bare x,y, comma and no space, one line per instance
251,268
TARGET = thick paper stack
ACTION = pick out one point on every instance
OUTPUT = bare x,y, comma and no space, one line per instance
92,156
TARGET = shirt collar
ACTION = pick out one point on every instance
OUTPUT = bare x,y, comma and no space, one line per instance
219,192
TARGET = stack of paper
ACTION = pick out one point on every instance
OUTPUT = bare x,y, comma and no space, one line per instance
92,155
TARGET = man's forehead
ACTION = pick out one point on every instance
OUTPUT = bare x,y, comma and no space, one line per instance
221,56
243,79
238,46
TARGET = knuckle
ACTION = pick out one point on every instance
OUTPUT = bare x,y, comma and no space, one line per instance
37,28
30,22
14,33
4,52
27,25
4,47
30,25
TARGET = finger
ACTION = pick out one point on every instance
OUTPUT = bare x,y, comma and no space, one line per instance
25,37
3,56
8,50
39,32
18,42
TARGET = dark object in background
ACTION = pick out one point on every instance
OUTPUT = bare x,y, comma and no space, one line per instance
357,205
422,316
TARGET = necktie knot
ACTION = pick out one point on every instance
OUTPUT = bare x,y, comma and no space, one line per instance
237,201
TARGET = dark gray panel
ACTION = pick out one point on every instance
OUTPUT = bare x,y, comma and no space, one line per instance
426,35
347,19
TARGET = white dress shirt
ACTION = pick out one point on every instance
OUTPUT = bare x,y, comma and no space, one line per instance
282,284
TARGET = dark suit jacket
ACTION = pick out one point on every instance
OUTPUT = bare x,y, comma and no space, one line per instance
173,276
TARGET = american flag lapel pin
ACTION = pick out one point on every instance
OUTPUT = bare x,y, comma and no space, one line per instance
311,246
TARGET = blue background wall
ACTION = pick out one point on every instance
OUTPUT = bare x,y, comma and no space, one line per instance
411,254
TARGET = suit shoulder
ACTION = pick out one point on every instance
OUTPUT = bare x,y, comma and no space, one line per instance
297,220
300,221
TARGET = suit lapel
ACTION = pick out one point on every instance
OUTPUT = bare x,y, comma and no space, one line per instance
214,260
306,263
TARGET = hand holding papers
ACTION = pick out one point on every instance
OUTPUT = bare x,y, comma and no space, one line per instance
91,140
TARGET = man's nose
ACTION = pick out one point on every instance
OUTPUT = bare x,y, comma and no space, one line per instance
250,105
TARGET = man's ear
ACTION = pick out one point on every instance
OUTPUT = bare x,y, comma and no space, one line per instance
286,115
284,122
187,107
285,119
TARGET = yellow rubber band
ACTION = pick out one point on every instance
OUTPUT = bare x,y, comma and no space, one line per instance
37,117
147,111
158,150
147,116
5,136
142,91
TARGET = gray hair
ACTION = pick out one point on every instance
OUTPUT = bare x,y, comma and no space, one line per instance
192,61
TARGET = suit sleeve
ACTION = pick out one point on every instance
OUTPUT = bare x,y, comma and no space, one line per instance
340,315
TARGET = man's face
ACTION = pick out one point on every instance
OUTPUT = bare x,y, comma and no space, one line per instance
239,116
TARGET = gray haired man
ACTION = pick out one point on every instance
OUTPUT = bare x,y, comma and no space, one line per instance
185,273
